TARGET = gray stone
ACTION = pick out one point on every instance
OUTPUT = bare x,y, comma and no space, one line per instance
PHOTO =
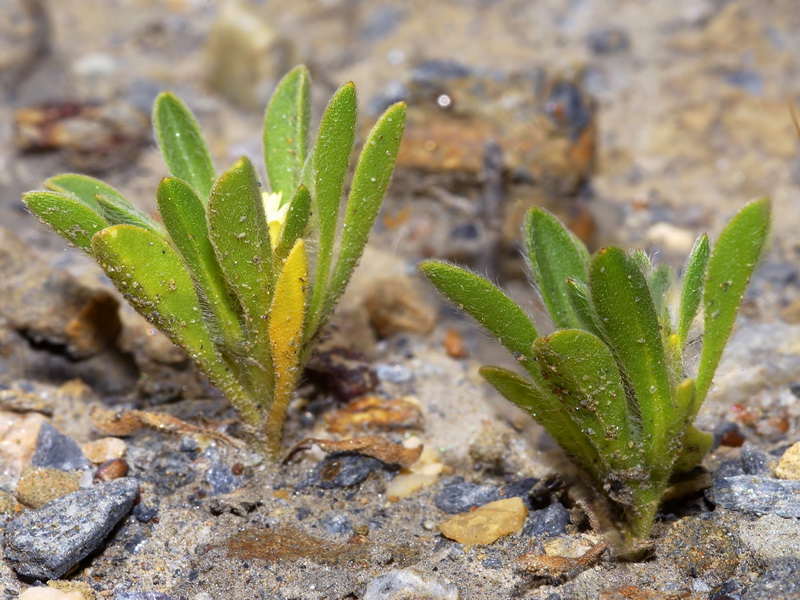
407,584
49,542
463,496
547,522
755,461
780,581
221,478
55,450
342,470
757,495
393,373
337,524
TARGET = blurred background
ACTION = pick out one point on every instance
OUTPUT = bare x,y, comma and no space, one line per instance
638,122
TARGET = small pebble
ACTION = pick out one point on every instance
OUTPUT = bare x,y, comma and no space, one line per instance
755,461
402,584
342,470
757,495
39,485
337,524
48,542
492,563
780,581
144,513
57,451
112,469
461,497
547,522
142,596
221,478
789,464
104,449
486,524
393,373
609,40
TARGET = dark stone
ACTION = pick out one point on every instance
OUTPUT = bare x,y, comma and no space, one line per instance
144,513
521,489
55,450
755,461
188,444
303,513
780,581
142,596
547,522
342,470
463,496
171,470
49,542
757,495
728,468
337,524
492,563
609,40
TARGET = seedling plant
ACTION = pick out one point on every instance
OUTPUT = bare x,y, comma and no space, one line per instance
240,279
611,385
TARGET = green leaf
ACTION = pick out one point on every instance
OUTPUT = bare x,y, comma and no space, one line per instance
732,262
660,282
549,413
286,126
285,336
84,188
583,375
71,217
182,144
239,233
151,276
370,182
331,157
578,295
185,219
488,305
621,297
695,444
118,213
296,222
555,255
694,274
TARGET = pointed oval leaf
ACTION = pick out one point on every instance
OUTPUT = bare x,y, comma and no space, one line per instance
732,262
331,158
117,213
555,255
488,305
549,413
286,125
370,182
583,375
694,274
286,337
240,236
84,188
578,294
622,300
182,144
296,221
185,219
71,217
660,282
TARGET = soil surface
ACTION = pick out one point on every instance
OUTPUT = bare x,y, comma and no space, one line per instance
639,123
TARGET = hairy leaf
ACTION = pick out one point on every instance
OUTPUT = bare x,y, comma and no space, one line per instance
182,144
487,304
331,157
286,335
118,213
556,255
151,276
185,219
71,217
286,126
621,297
296,221
694,274
370,182
583,375
84,188
732,262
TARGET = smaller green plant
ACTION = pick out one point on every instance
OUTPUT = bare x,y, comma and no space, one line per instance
611,385
225,273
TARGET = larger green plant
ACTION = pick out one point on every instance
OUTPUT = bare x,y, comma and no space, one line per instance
610,385
226,274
